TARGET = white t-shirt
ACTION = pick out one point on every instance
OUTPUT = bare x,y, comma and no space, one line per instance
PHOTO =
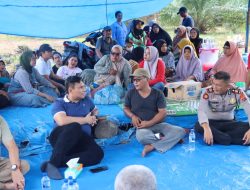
43,67
65,71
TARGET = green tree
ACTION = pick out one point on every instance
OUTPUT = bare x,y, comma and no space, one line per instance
208,14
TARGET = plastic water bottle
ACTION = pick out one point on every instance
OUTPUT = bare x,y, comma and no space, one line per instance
71,186
65,185
70,179
45,182
76,186
192,140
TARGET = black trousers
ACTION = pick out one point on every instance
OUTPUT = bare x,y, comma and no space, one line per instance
226,132
69,142
4,102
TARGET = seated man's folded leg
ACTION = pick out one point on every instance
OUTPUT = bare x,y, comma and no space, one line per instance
237,131
172,135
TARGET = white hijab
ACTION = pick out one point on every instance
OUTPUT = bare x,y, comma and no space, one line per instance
151,65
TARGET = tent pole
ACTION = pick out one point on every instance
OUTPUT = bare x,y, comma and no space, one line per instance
247,27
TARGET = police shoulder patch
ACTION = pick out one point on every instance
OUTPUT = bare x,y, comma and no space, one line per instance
243,97
205,96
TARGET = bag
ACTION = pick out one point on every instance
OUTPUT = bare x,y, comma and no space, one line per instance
105,129
111,94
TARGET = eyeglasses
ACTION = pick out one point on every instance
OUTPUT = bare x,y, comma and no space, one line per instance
137,79
115,54
226,47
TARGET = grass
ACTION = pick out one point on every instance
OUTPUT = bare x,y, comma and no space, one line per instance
9,44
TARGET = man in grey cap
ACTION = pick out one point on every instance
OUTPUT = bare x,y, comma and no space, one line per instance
187,19
146,107
105,43
216,113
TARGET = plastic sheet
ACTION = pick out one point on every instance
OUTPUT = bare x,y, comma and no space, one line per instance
208,167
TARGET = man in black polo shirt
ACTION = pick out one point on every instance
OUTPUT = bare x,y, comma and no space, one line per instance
146,107
74,115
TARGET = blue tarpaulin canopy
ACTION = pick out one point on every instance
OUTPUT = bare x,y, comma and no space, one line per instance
67,19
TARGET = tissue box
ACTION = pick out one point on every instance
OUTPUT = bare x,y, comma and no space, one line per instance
184,90
74,169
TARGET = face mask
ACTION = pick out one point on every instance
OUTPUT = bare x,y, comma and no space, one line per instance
129,49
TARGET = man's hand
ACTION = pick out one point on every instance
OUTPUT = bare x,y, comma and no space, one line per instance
95,112
208,136
144,124
246,138
4,93
91,120
50,98
113,71
135,121
18,179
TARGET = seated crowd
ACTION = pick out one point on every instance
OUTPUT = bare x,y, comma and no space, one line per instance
141,61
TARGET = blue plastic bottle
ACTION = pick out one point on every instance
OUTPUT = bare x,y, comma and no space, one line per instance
45,182
65,185
192,140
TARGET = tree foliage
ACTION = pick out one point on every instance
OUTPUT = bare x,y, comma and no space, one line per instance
208,14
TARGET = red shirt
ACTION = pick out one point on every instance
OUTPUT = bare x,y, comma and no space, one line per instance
160,75
248,65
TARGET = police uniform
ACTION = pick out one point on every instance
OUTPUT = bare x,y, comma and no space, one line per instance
218,111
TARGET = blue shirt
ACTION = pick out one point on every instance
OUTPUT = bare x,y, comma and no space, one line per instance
74,109
119,33
188,21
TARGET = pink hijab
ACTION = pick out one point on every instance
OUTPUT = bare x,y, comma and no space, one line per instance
232,64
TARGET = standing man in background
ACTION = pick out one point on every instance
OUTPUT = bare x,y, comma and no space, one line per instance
119,29
187,19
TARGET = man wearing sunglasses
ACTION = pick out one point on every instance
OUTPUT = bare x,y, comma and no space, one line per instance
146,107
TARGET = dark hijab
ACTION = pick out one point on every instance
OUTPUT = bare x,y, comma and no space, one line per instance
137,54
162,34
25,60
158,44
197,41
135,32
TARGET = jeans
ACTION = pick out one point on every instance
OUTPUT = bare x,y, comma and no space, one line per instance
32,100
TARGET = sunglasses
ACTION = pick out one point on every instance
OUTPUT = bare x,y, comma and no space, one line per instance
137,79
115,54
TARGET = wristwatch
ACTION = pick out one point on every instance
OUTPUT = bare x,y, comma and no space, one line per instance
14,167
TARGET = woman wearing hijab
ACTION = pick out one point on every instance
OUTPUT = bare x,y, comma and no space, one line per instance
189,66
147,30
184,42
155,67
166,56
231,62
112,69
136,57
158,33
196,40
28,87
137,36
70,69
181,32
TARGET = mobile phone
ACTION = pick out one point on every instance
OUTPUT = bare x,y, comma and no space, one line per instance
99,169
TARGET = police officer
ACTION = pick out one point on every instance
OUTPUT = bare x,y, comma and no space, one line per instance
216,113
